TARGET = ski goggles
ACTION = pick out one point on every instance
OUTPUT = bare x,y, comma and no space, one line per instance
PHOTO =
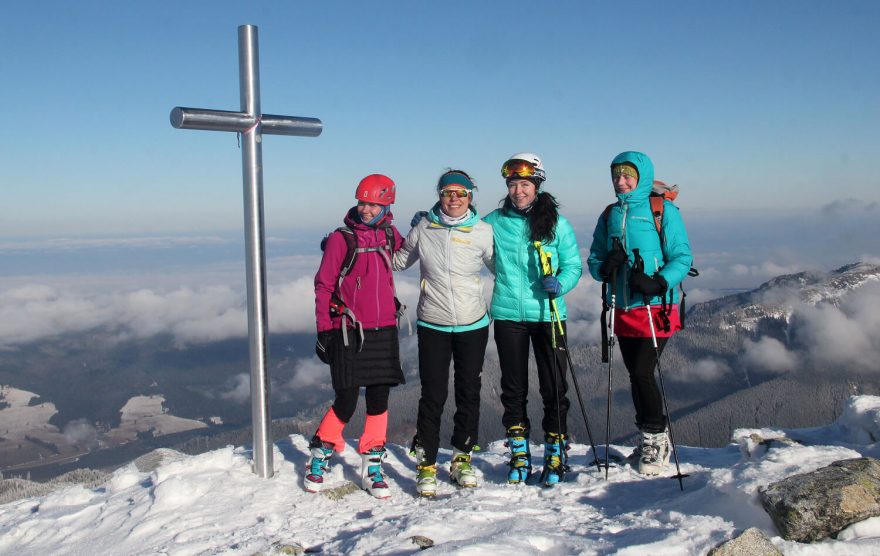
459,193
521,169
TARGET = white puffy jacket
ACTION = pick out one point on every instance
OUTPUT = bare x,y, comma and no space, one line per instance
450,260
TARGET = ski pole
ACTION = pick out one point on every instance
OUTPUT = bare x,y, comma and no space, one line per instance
615,245
547,269
678,474
577,390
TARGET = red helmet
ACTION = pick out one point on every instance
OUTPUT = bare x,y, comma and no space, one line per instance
377,189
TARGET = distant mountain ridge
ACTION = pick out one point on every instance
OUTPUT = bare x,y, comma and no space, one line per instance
772,299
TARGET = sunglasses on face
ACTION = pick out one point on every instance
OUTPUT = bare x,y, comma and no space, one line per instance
458,193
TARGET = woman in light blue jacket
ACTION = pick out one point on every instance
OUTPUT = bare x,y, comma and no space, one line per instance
451,244
650,263
522,311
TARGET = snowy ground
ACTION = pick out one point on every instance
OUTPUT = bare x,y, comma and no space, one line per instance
213,504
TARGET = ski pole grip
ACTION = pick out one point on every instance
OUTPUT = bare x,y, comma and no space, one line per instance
638,262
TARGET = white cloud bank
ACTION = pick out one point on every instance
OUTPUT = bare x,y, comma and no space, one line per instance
190,314
831,337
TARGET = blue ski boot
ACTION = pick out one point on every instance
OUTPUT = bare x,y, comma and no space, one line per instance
555,459
318,465
520,456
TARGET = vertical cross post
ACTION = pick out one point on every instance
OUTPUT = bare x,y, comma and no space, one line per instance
252,124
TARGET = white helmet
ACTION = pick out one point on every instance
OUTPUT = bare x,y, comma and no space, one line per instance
533,160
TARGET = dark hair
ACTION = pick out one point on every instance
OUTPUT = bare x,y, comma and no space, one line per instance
542,217
448,171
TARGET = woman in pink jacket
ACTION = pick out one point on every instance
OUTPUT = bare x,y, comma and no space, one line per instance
356,312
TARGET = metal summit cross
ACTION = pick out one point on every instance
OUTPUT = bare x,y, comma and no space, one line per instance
251,123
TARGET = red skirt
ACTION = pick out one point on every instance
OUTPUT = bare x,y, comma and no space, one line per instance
633,323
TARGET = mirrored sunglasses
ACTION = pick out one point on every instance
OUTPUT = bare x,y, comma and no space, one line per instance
459,193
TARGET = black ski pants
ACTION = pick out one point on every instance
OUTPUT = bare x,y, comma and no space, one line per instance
512,339
640,360
466,351
376,398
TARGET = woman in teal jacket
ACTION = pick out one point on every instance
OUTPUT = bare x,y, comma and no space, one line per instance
522,311
650,263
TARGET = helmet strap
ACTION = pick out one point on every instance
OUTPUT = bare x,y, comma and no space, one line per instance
375,221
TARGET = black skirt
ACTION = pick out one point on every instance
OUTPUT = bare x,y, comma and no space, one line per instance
377,361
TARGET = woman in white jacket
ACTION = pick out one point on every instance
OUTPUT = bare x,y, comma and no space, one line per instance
452,244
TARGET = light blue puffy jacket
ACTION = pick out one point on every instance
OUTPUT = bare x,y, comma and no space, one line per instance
631,220
518,295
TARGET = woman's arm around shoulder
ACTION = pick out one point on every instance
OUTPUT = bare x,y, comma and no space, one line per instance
408,252
570,266
598,249
488,253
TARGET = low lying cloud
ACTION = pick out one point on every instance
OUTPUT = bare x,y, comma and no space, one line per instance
190,314
846,207
308,372
82,433
843,335
238,389
766,269
769,354
702,370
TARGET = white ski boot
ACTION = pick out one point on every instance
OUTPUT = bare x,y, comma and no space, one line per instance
371,473
319,465
655,453
460,471
426,479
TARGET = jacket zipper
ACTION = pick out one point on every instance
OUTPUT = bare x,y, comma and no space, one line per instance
625,207
449,273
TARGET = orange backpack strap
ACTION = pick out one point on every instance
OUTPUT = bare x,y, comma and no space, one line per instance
657,210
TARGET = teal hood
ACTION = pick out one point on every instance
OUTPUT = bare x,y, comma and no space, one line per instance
646,175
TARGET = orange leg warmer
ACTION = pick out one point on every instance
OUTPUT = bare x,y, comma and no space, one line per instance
374,432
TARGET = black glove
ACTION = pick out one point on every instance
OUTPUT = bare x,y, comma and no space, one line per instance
615,259
324,346
639,282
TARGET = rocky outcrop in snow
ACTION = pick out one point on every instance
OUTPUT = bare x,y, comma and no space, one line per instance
812,506
752,541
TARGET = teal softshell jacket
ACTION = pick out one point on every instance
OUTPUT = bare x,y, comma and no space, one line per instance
518,295
631,220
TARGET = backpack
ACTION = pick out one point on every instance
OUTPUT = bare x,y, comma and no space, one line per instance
337,304
660,193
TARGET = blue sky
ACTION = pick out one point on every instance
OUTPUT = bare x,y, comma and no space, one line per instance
760,106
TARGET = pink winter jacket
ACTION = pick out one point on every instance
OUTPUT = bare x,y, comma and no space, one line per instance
368,289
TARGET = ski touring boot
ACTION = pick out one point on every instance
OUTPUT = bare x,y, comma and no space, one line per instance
426,473
426,479
461,471
319,465
655,453
520,456
371,473
633,458
555,459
